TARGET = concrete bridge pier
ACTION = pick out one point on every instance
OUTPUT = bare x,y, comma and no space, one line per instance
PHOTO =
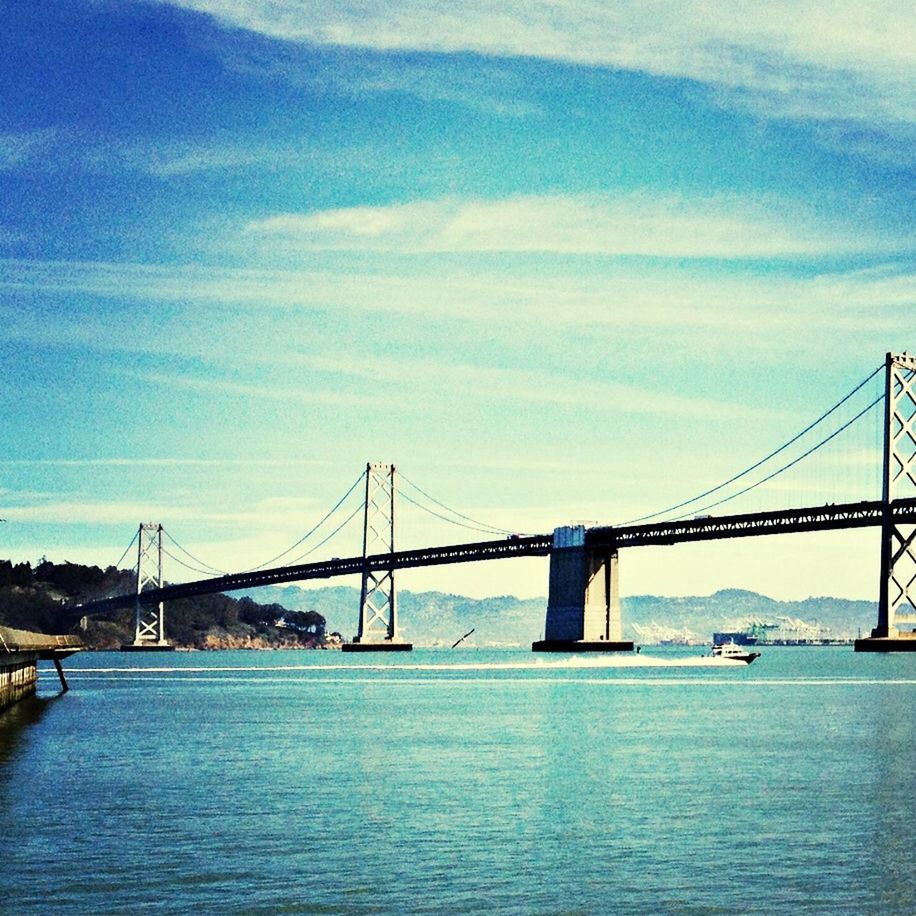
18,676
583,604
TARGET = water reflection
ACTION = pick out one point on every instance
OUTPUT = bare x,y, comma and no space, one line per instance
16,720
887,785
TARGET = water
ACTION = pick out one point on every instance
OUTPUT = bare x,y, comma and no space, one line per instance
461,782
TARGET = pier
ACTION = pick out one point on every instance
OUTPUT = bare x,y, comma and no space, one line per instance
20,652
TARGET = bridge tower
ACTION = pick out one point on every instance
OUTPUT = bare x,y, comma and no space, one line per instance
897,593
378,629
583,603
149,630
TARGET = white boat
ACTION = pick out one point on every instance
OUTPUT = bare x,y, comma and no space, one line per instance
733,652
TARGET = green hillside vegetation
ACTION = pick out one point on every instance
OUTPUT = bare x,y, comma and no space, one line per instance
37,599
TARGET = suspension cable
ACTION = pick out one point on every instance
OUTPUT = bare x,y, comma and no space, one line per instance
480,526
763,460
445,518
308,534
346,521
180,562
204,563
794,461
127,549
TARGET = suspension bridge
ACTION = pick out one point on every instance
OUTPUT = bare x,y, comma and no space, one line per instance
583,608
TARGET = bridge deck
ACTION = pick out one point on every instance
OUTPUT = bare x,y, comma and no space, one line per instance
785,521
536,545
830,517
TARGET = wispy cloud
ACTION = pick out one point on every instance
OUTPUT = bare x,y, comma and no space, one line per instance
64,148
851,61
728,227
261,392
894,145
177,159
142,462
272,515
488,87
19,148
173,160
445,380
624,296
95,512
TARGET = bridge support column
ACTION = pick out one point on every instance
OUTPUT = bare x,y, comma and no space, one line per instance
20,652
583,604
897,589
149,619
18,676
378,629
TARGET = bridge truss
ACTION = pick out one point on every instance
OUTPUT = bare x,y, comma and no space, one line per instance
149,618
783,521
897,595
377,606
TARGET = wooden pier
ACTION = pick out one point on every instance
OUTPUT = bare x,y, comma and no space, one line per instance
20,652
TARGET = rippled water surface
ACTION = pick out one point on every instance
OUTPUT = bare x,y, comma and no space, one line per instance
460,782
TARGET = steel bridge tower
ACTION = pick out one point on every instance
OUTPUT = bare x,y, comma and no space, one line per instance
897,595
378,629
149,629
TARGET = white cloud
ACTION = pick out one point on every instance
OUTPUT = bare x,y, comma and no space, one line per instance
54,149
622,296
439,378
21,147
725,226
234,388
850,60
270,514
488,87
160,463
92,512
176,159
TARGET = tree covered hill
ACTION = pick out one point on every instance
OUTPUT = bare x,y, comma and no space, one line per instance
36,598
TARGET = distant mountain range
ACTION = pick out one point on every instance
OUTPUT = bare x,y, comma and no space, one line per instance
37,599
435,618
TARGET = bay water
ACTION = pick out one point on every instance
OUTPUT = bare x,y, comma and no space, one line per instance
465,781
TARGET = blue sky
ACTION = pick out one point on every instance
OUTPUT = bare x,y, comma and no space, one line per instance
555,260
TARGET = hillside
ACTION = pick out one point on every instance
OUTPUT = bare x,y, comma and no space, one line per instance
37,598
290,616
435,618
728,609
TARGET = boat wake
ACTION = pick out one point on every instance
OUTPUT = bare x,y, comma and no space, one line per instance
640,660
648,661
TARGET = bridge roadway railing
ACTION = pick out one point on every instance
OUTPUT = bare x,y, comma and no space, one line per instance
784,521
829,517
44,645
